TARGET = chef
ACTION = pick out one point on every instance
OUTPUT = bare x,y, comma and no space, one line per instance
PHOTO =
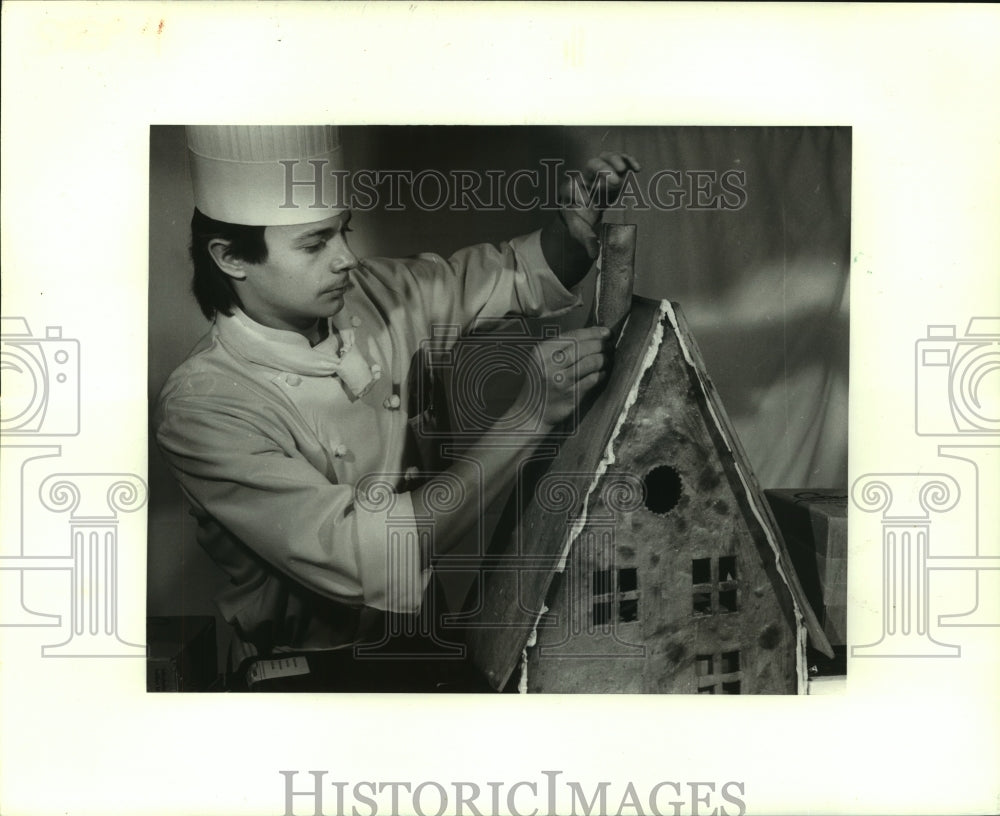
293,426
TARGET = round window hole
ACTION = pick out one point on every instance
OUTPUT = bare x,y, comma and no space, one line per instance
663,489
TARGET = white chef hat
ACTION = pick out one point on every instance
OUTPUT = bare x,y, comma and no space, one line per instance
261,175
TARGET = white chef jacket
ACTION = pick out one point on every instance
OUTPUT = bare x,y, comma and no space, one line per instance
268,438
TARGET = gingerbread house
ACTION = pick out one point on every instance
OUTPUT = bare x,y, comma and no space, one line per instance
642,556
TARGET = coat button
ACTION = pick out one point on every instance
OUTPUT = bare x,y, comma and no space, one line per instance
376,370
340,451
355,321
392,403
293,380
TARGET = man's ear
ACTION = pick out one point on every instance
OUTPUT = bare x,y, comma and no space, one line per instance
221,252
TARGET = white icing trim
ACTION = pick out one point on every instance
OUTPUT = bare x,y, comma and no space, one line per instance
609,459
522,684
621,334
609,452
800,651
598,264
606,461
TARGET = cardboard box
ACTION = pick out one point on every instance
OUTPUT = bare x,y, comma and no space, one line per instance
813,523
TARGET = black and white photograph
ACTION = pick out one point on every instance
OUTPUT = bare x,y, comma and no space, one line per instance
498,408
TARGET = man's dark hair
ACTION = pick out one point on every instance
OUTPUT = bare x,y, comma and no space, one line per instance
211,286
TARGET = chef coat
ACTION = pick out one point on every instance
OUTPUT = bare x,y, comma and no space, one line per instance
268,438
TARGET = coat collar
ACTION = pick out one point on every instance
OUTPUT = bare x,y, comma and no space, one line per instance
290,352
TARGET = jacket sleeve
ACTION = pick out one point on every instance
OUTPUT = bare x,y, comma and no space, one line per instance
486,282
239,467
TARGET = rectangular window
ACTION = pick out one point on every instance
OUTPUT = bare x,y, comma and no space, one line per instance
701,571
722,588
702,603
611,595
602,613
718,673
602,584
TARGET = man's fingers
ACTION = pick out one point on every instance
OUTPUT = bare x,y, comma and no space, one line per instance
621,162
591,380
590,364
587,348
584,349
632,162
587,333
580,367
575,338
603,171
597,164
563,355
614,160
604,175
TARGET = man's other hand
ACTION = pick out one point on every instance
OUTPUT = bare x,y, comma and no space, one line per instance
572,365
584,196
